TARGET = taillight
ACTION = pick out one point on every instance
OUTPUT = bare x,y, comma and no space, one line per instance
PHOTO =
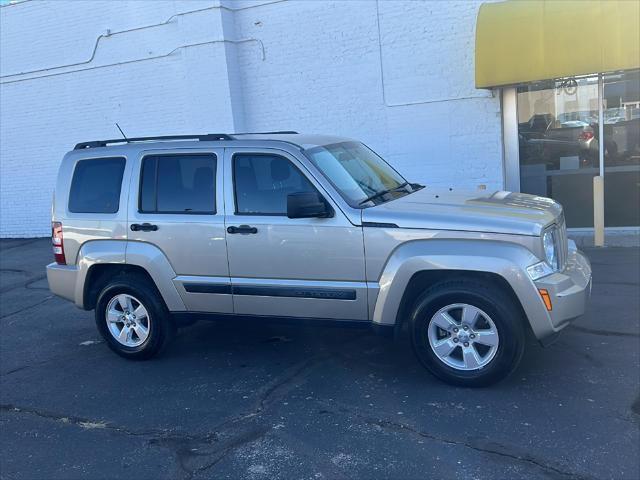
585,135
58,243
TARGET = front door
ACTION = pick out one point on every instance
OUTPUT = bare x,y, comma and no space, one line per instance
179,210
308,267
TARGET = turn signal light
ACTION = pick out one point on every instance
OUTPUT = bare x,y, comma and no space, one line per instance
58,243
546,298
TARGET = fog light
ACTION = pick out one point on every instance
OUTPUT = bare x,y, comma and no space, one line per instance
539,270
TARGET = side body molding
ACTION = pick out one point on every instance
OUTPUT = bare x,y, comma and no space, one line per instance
507,260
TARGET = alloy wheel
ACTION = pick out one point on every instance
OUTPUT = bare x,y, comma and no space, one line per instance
128,320
463,336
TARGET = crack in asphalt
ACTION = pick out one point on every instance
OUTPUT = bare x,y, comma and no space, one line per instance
34,280
185,447
578,352
57,358
492,448
221,452
635,407
46,299
499,449
604,333
245,428
275,389
625,284
188,447
21,244
76,420
15,370
26,283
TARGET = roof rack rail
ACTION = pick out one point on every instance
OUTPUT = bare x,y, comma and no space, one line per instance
280,132
209,137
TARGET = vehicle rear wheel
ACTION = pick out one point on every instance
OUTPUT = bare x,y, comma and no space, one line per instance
467,333
132,318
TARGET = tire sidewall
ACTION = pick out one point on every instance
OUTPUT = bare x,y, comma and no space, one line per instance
157,329
506,320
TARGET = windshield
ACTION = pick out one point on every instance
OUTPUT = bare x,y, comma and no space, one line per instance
358,173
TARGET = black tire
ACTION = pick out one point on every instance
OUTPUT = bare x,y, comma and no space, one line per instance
160,326
491,299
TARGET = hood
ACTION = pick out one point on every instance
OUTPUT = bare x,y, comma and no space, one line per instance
498,212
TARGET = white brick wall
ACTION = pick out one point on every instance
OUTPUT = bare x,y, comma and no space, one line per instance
398,75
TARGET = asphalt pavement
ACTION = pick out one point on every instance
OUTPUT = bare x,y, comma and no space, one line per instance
272,401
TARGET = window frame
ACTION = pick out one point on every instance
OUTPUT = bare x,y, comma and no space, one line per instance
263,154
93,159
185,154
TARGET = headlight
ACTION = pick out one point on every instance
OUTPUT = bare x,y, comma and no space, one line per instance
549,245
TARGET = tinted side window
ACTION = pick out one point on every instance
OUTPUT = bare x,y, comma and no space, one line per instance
262,183
178,184
96,185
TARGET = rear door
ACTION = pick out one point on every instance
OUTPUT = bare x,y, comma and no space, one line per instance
176,204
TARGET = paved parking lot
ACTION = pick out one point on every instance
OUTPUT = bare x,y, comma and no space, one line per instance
273,401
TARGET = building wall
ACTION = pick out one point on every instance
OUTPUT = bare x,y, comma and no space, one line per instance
397,75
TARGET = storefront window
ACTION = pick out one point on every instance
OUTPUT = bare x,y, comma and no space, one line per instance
622,149
559,141
557,129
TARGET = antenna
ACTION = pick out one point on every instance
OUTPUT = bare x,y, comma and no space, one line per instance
123,135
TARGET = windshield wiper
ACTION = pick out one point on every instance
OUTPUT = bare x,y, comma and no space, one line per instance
384,192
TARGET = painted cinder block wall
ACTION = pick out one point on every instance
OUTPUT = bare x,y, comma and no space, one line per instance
397,75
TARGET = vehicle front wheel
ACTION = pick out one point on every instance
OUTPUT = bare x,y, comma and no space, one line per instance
467,333
132,318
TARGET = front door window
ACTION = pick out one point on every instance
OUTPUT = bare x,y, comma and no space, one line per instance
263,182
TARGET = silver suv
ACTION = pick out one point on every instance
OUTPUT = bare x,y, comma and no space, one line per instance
154,233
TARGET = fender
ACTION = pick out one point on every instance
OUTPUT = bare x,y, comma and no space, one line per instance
144,255
508,260
155,262
92,253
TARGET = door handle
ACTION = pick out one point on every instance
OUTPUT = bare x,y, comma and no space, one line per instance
145,227
243,229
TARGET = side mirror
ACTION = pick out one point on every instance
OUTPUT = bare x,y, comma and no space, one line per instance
307,205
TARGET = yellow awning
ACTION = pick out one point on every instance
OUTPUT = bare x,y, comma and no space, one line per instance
520,41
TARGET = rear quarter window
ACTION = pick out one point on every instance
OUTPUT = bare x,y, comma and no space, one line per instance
96,185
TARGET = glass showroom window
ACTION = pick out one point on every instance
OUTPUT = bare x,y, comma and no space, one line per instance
557,127
622,149
559,142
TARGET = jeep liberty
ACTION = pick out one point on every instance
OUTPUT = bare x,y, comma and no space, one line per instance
156,232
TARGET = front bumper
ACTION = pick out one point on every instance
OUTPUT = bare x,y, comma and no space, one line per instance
569,291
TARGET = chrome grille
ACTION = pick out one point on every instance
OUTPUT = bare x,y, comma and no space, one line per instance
562,243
